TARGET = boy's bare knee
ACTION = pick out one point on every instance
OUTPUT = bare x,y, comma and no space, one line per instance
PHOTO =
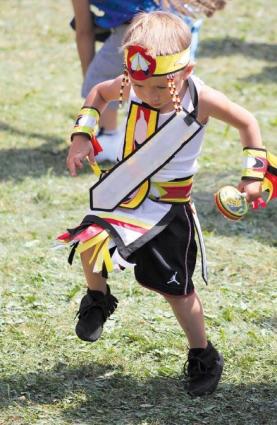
173,299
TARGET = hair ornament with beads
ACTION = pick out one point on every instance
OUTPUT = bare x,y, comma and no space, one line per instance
125,81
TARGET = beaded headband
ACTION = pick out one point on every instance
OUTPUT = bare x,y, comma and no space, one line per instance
141,65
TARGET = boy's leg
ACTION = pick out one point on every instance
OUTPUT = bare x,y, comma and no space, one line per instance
166,264
95,281
189,313
205,364
96,306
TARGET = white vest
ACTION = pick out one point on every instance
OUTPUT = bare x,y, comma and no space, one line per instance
184,163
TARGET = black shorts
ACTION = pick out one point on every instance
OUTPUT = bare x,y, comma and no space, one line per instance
166,263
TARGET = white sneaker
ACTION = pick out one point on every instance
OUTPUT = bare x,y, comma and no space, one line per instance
110,143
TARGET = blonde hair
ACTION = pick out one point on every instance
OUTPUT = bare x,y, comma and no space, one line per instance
160,33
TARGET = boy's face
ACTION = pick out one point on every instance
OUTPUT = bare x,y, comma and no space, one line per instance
155,91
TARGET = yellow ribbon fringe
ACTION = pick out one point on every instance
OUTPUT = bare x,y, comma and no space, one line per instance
95,168
101,253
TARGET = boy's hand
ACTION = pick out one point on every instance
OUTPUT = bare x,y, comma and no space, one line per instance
252,188
80,148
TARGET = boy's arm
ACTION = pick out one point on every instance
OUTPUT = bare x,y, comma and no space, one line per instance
98,98
85,35
105,92
213,103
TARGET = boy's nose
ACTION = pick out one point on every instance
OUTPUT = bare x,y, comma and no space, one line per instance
155,97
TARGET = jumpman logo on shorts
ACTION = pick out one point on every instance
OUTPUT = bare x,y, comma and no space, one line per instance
173,279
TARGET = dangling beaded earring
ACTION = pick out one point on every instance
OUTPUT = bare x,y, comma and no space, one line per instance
124,82
174,94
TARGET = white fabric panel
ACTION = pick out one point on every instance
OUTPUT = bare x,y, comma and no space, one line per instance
148,213
135,169
184,163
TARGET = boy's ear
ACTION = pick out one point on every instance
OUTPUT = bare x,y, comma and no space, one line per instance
188,70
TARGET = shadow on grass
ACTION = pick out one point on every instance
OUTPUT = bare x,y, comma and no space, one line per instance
260,224
96,394
19,163
234,46
268,323
269,74
52,141
231,46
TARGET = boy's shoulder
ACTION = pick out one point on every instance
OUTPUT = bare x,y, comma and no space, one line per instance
197,80
213,103
209,94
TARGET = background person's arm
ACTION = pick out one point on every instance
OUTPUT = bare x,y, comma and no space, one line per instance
85,34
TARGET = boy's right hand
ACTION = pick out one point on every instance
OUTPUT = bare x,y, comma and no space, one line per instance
81,147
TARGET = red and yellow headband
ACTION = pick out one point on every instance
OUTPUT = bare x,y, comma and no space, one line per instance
141,65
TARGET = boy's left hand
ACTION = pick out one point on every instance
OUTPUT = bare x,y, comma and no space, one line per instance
252,188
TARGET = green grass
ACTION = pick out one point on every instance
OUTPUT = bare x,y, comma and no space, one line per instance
132,376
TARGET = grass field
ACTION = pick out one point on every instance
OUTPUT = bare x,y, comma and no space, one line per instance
132,376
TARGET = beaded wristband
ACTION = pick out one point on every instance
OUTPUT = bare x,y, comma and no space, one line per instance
254,164
86,122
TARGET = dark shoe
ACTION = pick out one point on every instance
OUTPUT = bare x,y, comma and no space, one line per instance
203,370
94,310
